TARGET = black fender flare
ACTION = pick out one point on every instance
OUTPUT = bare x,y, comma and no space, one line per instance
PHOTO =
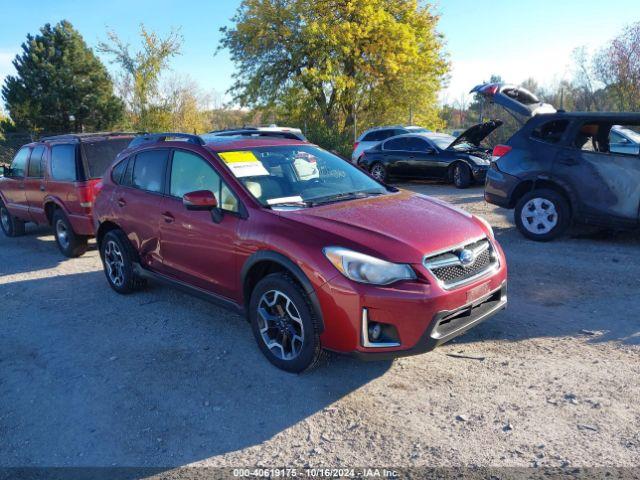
293,269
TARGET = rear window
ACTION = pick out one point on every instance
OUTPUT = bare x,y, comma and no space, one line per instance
148,170
100,153
550,132
63,163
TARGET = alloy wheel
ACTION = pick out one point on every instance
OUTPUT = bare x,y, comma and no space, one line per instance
4,217
62,234
377,172
280,325
539,216
114,262
457,175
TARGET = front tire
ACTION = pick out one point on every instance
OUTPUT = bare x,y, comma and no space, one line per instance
285,324
69,242
461,174
542,215
117,258
11,226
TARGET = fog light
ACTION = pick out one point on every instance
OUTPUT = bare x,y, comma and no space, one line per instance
375,330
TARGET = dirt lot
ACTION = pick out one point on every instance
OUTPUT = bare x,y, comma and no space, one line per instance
88,377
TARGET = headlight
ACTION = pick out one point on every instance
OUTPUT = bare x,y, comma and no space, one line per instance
366,269
480,160
486,224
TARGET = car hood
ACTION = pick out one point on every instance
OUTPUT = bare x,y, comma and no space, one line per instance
399,227
476,134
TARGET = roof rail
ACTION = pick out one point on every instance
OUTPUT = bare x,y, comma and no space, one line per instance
79,136
165,137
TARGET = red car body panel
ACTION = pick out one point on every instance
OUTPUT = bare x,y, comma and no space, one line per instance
29,197
400,227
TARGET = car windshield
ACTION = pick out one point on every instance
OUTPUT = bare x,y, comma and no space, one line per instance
298,176
442,140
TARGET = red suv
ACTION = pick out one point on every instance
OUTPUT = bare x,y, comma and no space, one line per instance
53,181
315,252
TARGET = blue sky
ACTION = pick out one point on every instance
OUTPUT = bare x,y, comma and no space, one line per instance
513,38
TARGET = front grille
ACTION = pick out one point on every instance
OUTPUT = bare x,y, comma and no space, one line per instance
451,271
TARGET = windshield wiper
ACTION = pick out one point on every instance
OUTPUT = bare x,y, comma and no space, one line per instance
339,197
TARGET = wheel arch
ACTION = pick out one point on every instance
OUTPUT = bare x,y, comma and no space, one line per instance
50,206
104,228
265,262
540,182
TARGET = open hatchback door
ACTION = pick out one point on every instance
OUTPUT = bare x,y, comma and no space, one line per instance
516,100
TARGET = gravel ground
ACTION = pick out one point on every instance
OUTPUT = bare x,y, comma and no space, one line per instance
160,378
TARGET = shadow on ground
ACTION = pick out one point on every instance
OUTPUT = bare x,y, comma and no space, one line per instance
158,378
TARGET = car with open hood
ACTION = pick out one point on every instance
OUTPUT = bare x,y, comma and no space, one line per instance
335,261
462,160
563,167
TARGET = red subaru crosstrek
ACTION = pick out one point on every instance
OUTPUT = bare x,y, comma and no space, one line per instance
315,252
52,182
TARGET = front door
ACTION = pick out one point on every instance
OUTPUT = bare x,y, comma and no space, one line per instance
195,249
427,164
401,161
13,187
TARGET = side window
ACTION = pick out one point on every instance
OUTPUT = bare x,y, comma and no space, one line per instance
35,162
396,144
372,137
148,170
418,144
550,132
63,162
118,171
190,172
19,163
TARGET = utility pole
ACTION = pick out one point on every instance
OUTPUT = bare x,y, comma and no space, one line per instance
410,114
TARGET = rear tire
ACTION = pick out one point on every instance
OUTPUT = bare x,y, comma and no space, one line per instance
542,215
461,174
117,257
282,317
379,172
11,226
69,242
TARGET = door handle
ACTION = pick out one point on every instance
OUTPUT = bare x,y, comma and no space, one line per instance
121,202
568,161
42,188
168,218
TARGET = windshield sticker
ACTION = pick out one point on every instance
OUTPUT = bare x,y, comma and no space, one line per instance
276,201
243,164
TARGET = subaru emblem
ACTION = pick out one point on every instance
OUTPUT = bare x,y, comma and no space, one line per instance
467,257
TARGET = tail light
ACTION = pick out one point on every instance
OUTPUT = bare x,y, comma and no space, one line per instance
490,89
87,193
500,151
355,145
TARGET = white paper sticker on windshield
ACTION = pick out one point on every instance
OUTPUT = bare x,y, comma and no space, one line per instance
276,201
244,164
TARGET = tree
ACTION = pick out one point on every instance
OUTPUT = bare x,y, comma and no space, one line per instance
618,67
337,61
141,73
60,84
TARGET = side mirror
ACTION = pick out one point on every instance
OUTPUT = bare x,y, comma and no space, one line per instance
430,151
199,200
203,200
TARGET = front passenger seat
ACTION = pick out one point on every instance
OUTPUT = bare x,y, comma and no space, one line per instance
263,188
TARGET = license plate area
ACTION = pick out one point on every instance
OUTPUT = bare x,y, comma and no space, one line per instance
478,292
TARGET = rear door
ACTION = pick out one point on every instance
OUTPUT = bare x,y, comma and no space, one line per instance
401,161
13,186
194,248
607,183
35,184
138,202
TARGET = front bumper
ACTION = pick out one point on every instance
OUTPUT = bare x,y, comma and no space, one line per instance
423,313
